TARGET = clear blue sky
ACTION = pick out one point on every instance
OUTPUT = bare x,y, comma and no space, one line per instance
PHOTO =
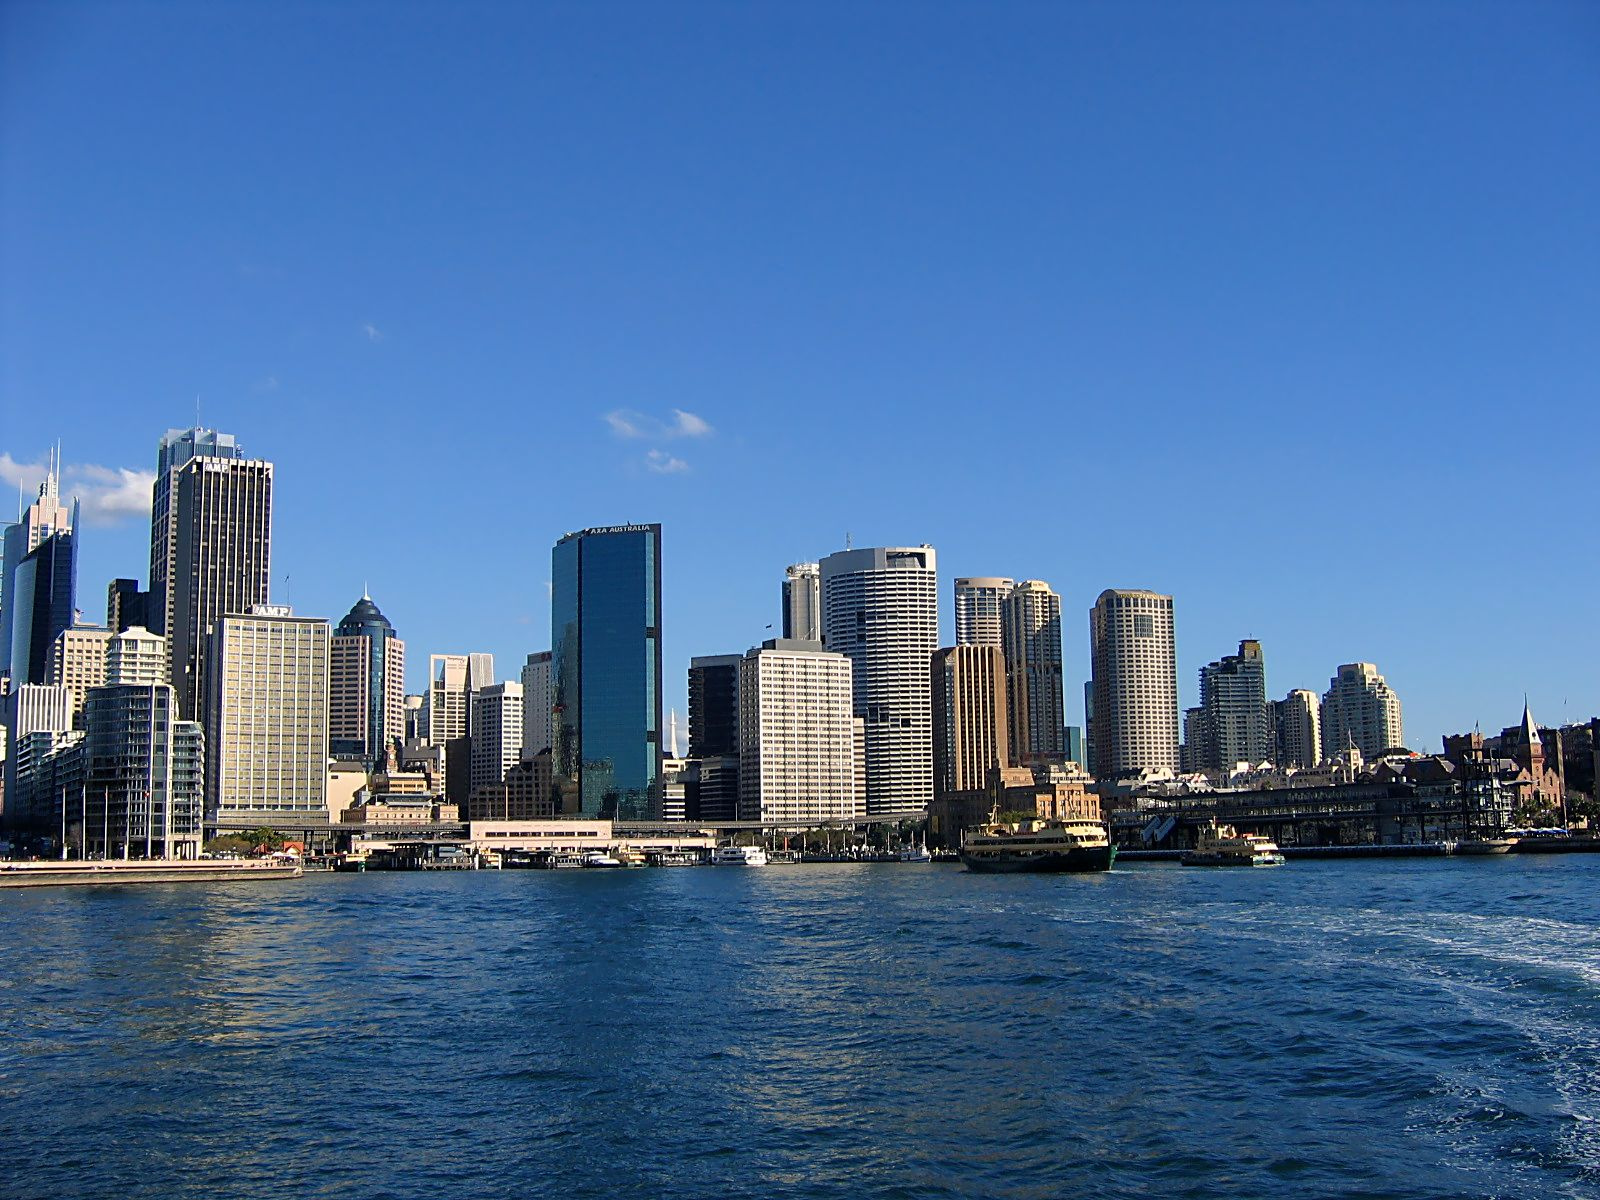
1290,310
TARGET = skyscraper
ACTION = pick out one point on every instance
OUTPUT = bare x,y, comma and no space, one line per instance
970,724
367,686
267,718
1134,656
448,715
606,664
145,773
40,548
796,740
1360,710
210,548
979,603
880,608
496,732
1031,637
1235,725
802,602
536,703
714,705
126,606
1297,729
78,660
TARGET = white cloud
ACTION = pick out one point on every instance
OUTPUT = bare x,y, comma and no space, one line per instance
628,423
106,495
663,463
374,334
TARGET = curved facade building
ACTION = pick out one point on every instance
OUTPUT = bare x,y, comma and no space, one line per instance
366,694
1135,693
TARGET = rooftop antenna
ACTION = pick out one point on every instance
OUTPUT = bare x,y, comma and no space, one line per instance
286,590
847,543
197,412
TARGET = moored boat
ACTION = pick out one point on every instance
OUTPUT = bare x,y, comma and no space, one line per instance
1486,845
739,856
1037,847
1223,846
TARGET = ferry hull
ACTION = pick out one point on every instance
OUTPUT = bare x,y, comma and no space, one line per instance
1055,862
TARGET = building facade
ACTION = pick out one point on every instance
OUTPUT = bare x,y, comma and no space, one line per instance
796,747
41,522
980,604
210,548
367,686
497,712
1359,709
714,705
880,608
606,671
1297,729
126,606
267,720
970,727
1133,649
145,787
802,602
1235,723
1031,638
78,661
536,703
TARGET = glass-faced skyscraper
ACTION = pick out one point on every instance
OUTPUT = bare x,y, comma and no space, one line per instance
605,631
366,694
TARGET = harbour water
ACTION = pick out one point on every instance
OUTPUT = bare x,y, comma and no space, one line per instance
1380,1029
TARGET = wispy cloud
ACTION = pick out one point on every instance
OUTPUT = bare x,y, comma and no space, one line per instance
267,384
374,334
106,495
663,463
629,423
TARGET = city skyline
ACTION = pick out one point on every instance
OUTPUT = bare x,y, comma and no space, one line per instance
676,289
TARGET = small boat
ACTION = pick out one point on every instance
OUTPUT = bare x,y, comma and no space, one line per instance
739,856
600,859
1037,847
1221,846
915,854
1486,845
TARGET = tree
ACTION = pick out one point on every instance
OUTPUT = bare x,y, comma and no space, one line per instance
264,839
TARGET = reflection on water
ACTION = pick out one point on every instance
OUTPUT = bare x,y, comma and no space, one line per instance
1401,1029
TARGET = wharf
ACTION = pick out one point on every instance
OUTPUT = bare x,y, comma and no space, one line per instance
81,874
1403,850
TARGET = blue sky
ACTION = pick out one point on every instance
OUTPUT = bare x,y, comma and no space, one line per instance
1289,310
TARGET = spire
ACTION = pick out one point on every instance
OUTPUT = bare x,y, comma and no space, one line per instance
1530,731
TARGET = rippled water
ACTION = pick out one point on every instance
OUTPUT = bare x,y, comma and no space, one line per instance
1414,1029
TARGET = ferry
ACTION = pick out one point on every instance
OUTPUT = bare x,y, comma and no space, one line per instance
1221,846
600,859
1036,846
739,856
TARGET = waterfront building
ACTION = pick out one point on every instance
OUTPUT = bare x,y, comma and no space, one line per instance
1031,638
366,687
1359,709
45,782
1135,700
802,602
126,606
210,548
78,661
796,748
38,551
1234,723
32,708
880,608
145,768
497,712
980,604
970,733
606,668
527,788
1297,729
267,720
714,705
536,703
446,702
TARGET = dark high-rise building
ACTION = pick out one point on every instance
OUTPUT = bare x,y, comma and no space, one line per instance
606,670
126,606
42,593
714,705
210,547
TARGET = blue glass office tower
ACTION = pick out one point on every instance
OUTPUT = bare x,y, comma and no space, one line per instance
605,637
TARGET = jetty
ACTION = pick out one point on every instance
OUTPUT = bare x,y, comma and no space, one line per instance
83,873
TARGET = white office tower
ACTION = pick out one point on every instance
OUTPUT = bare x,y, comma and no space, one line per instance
136,657
802,602
1031,638
496,732
979,605
267,721
536,704
78,661
1134,655
880,608
1297,729
448,717
1359,710
796,741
